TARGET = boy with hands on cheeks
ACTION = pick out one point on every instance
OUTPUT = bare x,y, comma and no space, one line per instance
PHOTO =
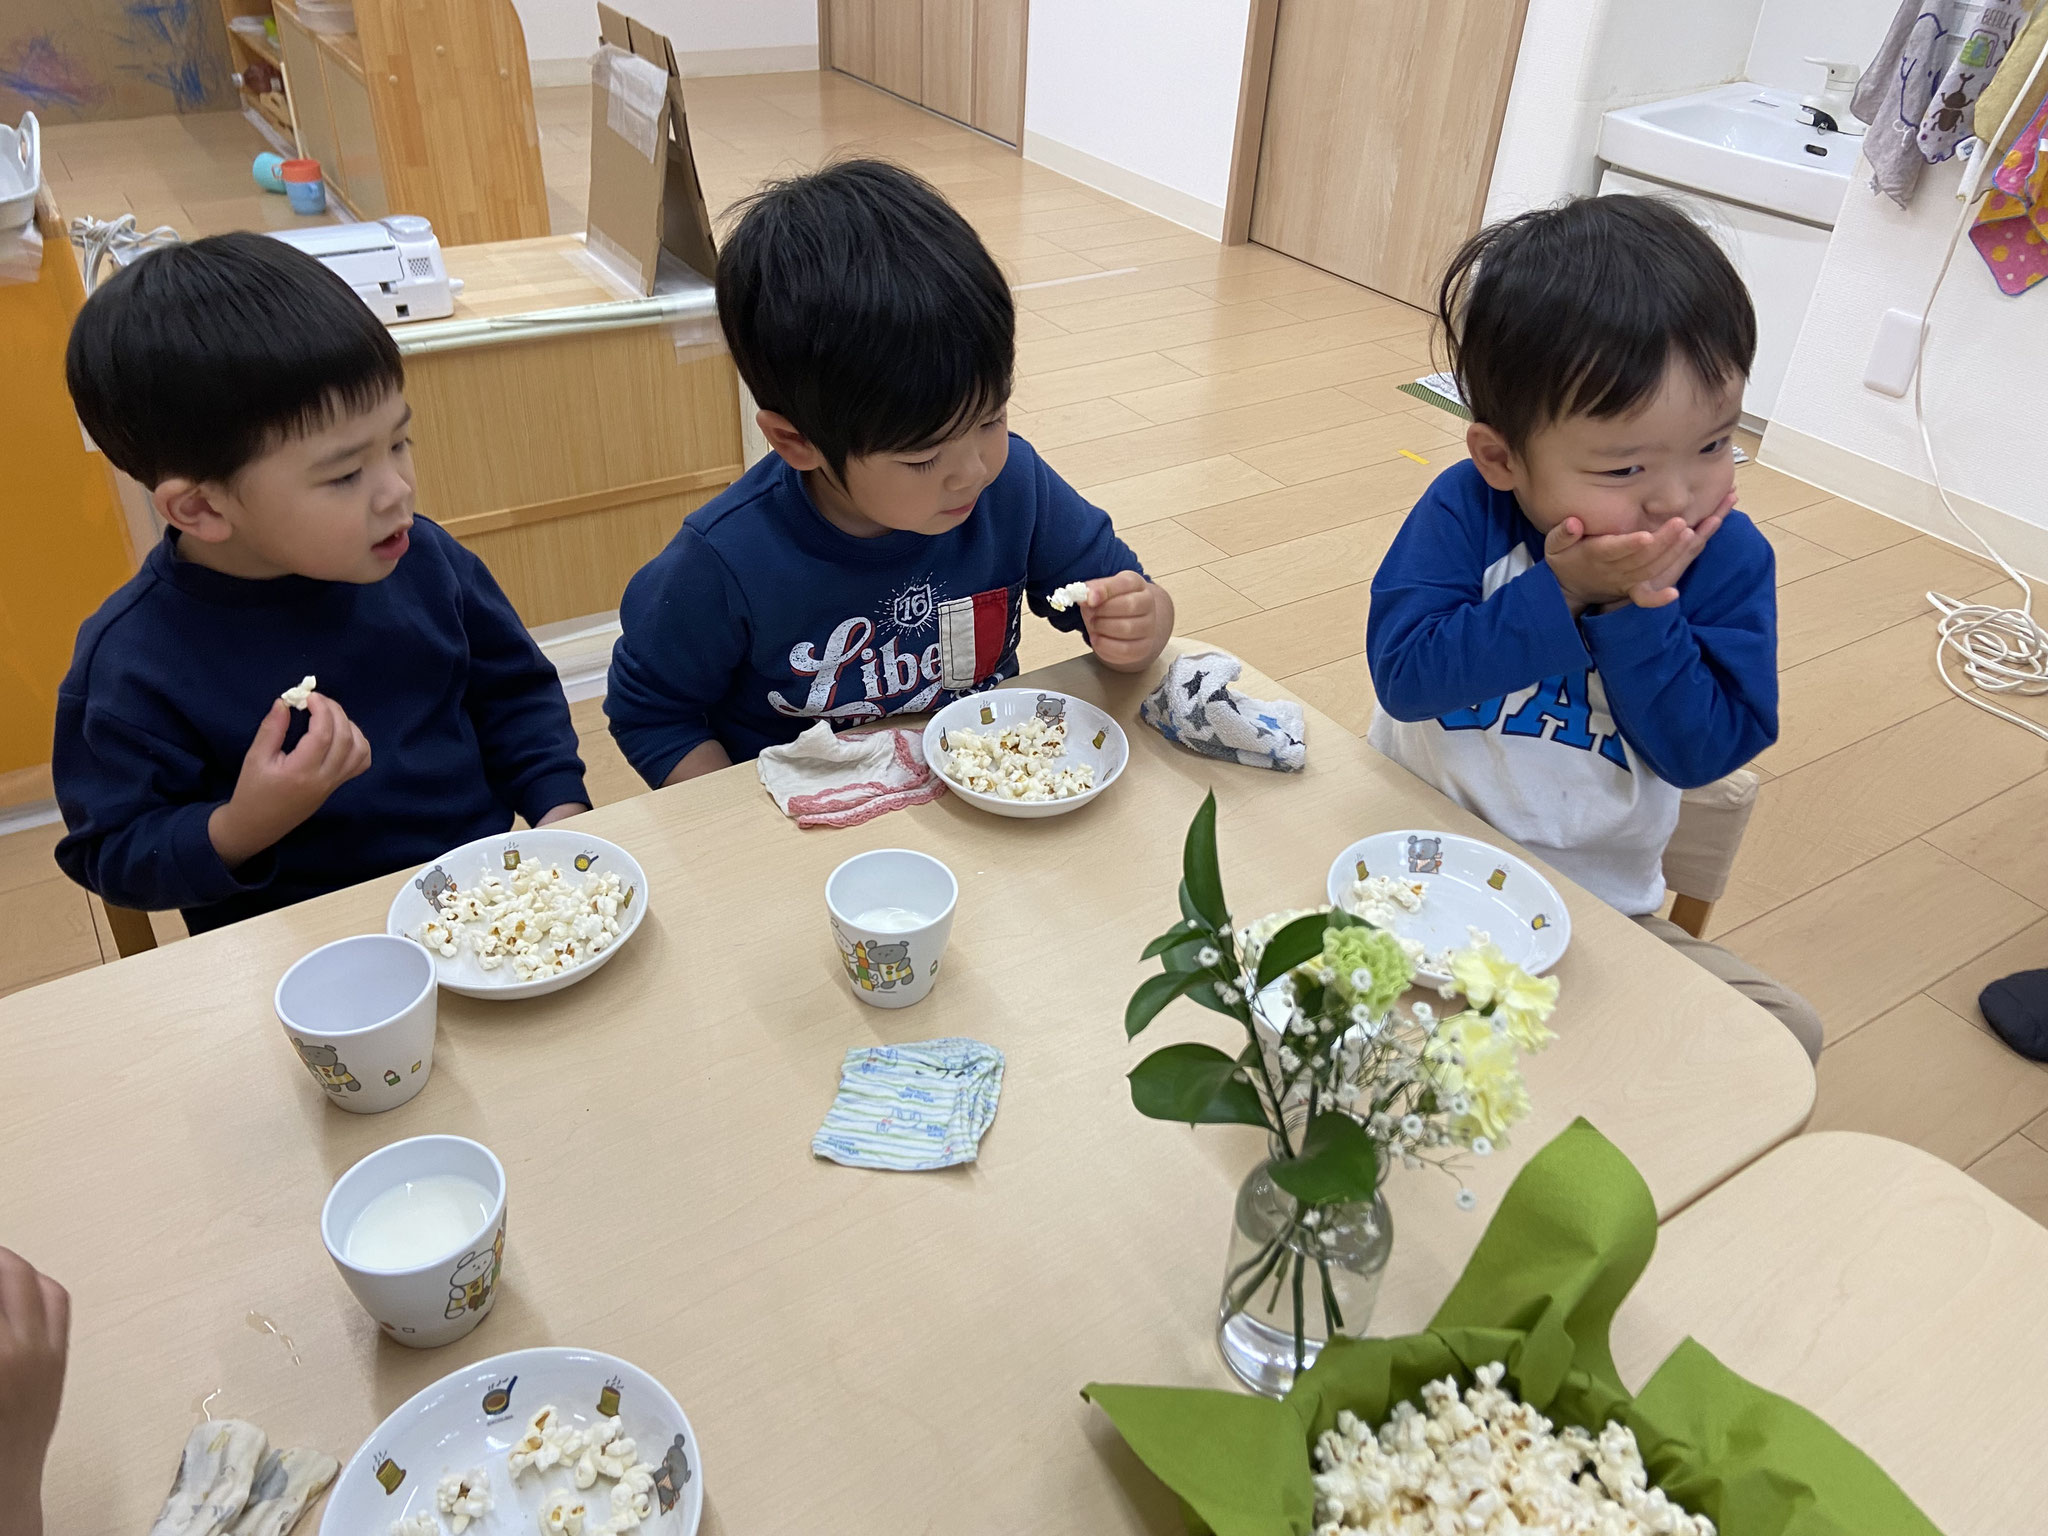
877,562
1576,625
262,404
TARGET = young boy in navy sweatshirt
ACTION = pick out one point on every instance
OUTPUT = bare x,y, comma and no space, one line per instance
1575,625
876,563
261,402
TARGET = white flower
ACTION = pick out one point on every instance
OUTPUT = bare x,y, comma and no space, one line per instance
1467,1201
1361,1015
1481,1147
1411,1126
1227,994
1288,1060
1380,1126
1423,1013
1207,956
1460,1104
1361,979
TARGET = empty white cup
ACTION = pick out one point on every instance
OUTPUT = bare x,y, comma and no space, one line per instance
360,1013
892,912
447,1284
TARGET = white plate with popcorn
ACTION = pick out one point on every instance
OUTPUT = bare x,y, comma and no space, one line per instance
1025,752
558,1442
523,913
1434,888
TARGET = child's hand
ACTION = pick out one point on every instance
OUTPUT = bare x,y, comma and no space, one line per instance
278,790
35,1331
1642,568
1128,620
562,812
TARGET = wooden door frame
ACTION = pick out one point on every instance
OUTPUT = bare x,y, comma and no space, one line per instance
824,34
825,64
1257,79
1252,85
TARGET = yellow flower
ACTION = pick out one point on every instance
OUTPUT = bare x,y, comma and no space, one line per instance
1479,971
1485,1072
1523,1003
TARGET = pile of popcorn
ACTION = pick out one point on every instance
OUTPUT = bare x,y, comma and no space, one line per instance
462,1498
1019,762
1383,901
541,922
601,1451
1486,1466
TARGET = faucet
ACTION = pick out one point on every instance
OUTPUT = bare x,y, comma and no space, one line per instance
1830,110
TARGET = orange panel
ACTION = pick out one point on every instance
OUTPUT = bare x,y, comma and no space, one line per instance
67,546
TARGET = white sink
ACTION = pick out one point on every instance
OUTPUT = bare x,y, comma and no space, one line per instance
1742,142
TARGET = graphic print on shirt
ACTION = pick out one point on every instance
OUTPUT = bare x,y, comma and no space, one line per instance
1569,710
899,660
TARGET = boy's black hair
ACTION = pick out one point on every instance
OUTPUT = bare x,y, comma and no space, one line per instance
861,306
1576,311
200,358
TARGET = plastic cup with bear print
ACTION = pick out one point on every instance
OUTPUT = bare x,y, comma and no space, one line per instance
892,912
360,1014
417,1229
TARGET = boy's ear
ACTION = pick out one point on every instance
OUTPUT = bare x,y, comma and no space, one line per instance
189,507
784,438
1497,463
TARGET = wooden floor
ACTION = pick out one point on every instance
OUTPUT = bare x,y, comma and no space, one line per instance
1237,414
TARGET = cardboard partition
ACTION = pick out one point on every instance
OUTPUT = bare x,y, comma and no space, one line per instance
645,198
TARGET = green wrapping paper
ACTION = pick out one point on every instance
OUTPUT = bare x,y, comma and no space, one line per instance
1572,1236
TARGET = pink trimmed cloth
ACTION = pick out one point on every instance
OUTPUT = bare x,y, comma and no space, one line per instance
823,780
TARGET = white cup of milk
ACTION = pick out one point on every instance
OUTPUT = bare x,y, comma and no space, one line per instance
417,1229
360,1016
892,912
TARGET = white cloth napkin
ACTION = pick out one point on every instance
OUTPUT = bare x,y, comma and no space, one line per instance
1196,707
912,1107
825,780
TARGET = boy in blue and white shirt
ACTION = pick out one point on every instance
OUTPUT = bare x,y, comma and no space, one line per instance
878,561
1576,625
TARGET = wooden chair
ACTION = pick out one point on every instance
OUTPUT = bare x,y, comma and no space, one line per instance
1701,853
131,930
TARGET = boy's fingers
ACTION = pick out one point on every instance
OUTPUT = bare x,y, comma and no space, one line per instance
1104,588
270,730
319,738
1647,594
1563,536
21,1296
56,1312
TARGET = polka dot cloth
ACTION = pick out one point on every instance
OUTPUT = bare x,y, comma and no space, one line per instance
2009,230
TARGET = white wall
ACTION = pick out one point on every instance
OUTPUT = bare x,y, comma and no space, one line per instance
1986,369
1138,97
1790,31
749,33
1582,58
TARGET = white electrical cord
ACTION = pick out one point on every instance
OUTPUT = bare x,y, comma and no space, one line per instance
2003,650
118,239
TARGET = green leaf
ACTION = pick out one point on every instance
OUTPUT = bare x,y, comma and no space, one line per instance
1337,917
1153,994
1188,909
1297,942
1338,1162
1173,938
1201,881
1195,1084
1184,958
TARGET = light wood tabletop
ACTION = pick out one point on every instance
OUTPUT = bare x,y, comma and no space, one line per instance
858,1351
1888,1292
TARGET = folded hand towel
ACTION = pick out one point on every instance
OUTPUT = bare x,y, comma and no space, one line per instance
825,780
1196,707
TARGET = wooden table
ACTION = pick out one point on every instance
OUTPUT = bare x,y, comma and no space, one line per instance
859,1352
1893,1295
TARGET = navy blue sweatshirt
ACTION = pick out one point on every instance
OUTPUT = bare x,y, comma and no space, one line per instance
171,677
761,617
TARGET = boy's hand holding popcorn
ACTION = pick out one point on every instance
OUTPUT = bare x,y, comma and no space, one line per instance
1129,620
277,790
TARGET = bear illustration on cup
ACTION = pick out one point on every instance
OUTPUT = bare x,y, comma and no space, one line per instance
326,1065
474,1278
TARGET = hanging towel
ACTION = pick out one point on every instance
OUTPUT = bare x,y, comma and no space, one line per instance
2011,78
1895,91
2011,231
824,780
1951,115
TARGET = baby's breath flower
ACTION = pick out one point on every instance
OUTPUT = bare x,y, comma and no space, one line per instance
1481,1147
1361,1015
1207,956
1227,994
1411,1126
1467,1201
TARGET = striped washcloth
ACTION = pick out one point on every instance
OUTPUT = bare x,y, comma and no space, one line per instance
906,1107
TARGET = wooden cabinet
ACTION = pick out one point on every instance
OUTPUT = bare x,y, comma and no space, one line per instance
426,108
962,58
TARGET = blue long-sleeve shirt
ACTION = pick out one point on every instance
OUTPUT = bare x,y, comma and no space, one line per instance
171,677
1571,735
760,617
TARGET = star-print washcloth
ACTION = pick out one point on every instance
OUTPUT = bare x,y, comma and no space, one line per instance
1197,708
909,1107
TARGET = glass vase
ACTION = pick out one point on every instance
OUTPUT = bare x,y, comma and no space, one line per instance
1296,1277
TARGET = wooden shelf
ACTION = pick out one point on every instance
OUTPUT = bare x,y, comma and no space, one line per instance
279,120
258,43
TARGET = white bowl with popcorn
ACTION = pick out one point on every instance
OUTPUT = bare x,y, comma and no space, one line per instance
563,1442
1436,889
523,913
1025,752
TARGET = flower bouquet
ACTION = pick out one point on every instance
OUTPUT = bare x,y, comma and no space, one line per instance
1345,1079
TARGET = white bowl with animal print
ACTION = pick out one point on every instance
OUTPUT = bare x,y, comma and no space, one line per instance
470,1420
1466,884
1093,740
578,855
